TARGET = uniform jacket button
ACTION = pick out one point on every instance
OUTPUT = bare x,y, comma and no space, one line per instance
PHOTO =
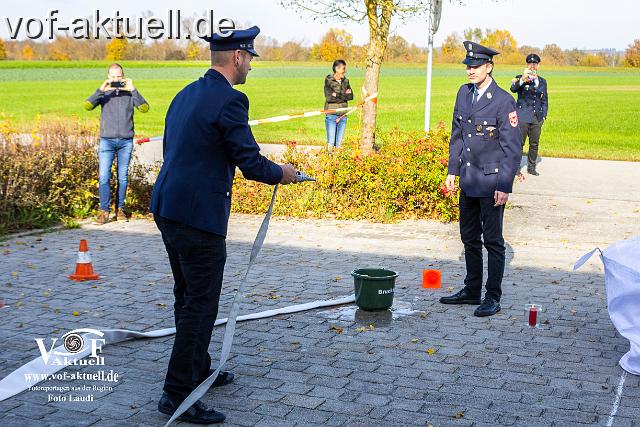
468,164
227,194
496,169
469,135
468,149
469,120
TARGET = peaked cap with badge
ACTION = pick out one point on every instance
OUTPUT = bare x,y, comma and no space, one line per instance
478,54
238,39
533,58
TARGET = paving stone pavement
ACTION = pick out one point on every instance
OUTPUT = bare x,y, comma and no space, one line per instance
426,363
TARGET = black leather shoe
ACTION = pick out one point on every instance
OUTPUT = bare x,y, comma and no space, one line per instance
462,297
489,307
224,378
196,414
532,172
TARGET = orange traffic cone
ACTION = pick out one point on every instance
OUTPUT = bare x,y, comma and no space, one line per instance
84,268
431,279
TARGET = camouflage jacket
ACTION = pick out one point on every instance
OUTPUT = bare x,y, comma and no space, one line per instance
331,87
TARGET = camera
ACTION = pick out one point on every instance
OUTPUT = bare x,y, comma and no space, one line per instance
117,84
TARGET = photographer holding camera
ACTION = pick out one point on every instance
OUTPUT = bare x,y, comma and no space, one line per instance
117,97
533,104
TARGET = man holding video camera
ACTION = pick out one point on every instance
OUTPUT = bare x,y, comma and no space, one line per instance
117,97
533,104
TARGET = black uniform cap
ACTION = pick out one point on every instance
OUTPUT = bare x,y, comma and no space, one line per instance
239,39
478,54
532,58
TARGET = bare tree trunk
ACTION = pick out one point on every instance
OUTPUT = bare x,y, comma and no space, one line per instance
371,79
378,36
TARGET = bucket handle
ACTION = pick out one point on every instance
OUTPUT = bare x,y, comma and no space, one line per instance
378,267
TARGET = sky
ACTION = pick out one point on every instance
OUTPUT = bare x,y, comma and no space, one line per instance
582,24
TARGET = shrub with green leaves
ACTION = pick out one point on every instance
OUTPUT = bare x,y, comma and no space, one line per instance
402,180
52,175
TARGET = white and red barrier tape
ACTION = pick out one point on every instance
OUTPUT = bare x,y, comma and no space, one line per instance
346,110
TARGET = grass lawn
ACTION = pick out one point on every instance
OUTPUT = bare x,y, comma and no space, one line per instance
592,110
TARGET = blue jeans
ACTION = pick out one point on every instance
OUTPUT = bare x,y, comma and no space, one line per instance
109,148
335,131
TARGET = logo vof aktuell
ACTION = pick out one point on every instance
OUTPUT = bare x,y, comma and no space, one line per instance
79,342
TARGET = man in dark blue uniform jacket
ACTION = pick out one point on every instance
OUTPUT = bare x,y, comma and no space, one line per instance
533,105
485,153
206,136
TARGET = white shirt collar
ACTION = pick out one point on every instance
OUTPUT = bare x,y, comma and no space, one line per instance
480,92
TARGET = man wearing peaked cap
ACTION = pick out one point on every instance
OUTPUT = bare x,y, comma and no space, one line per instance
484,152
533,105
206,137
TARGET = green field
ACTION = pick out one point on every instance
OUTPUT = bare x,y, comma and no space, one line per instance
592,111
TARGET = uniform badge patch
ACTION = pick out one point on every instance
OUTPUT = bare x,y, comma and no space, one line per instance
513,119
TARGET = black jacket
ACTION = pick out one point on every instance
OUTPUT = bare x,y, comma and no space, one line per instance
206,135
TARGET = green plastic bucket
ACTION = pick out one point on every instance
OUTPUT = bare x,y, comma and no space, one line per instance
373,288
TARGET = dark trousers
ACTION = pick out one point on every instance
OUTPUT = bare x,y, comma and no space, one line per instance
480,218
533,131
197,261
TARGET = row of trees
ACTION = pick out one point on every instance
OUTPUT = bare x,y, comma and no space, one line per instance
335,43
69,49
511,53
